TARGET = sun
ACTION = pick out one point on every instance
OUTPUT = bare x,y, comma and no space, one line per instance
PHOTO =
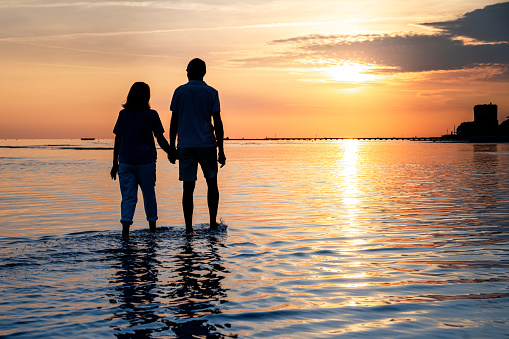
350,72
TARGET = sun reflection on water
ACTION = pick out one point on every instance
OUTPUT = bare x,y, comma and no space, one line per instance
347,186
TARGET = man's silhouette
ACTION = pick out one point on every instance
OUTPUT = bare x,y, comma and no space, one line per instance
194,105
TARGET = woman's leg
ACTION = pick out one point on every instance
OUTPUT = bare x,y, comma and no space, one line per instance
146,175
129,191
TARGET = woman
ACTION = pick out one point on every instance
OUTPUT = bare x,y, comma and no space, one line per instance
134,154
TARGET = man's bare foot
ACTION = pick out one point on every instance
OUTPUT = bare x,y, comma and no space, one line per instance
213,227
189,230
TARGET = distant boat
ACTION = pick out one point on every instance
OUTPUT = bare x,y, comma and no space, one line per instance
87,138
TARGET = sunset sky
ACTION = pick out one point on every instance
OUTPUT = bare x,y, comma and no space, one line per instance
289,68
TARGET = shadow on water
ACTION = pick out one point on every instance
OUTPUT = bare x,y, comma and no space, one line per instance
167,287
485,154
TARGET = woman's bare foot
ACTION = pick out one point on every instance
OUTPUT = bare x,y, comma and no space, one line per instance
125,228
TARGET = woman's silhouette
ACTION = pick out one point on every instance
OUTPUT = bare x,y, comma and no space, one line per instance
134,154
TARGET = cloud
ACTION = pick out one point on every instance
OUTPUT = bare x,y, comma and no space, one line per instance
490,24
185,5
407,53
101,4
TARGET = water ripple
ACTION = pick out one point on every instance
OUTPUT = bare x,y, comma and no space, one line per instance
325,240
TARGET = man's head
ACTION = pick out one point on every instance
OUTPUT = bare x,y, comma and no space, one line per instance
196,69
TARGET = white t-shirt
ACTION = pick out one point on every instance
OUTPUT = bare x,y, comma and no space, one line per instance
195,102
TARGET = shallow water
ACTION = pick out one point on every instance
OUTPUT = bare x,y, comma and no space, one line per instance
324,240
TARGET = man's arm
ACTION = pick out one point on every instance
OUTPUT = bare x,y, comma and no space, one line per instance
116,150
174,122
219,131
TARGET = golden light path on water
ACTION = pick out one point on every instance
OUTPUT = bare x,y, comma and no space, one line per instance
347,179
348,162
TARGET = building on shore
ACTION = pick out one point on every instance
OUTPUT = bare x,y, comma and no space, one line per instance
485,119
485,124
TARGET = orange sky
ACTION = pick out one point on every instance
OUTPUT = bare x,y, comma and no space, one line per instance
354,68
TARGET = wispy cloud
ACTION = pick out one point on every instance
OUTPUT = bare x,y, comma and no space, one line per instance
184,5
160,31
189,5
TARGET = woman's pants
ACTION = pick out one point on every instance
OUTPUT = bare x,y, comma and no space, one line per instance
130,177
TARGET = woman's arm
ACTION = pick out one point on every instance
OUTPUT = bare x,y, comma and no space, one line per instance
116,150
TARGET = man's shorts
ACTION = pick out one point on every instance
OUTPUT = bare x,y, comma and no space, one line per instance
189,158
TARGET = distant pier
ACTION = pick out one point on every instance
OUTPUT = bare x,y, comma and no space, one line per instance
319,139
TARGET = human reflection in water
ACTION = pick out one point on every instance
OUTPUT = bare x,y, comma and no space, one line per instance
136,287
174,306
196,290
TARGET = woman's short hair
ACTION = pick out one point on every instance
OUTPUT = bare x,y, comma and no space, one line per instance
138,97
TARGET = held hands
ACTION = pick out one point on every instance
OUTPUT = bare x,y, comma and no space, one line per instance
172,156
221,158
114,171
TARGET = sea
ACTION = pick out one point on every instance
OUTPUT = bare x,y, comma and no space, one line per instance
319,239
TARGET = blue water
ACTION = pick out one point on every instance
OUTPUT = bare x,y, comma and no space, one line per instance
325,240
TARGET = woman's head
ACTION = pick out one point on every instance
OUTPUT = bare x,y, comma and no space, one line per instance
138,97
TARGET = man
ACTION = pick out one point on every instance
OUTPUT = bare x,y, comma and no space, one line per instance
194,105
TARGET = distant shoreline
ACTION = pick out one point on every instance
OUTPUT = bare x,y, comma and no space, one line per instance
319,138
444,138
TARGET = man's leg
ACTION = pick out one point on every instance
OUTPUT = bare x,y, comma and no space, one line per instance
208,163
187,204
212,200
188,166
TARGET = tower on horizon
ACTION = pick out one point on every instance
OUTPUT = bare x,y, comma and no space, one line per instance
485,119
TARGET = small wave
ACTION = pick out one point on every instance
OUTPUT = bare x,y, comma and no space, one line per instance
60,147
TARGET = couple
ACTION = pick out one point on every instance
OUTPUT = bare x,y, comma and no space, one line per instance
134,156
